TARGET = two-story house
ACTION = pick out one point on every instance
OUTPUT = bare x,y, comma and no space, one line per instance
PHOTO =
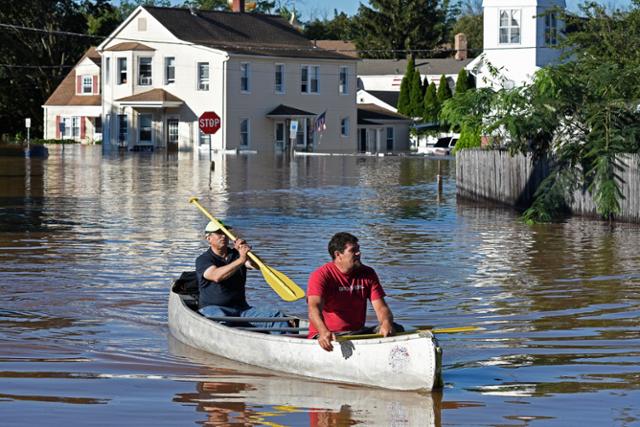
164,67
74,109
520,37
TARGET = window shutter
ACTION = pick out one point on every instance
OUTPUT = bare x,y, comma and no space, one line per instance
82,127
96,89
78,85
57,127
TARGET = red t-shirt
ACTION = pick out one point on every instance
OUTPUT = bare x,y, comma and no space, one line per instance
345,296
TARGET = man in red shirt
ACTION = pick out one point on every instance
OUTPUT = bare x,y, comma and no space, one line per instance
338,291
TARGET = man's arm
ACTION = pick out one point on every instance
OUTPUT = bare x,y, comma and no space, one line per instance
218,274
384,315
325,336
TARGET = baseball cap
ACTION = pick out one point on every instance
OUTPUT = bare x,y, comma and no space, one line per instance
212,227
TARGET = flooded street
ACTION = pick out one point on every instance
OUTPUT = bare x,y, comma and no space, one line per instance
89,245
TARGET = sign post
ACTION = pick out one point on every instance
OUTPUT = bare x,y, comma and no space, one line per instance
27,124
293,134
209,123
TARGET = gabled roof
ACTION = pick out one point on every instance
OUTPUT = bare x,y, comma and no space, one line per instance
434,66
65,93
340,46
285,110
374,114
386,96
240,33
153,95
121,47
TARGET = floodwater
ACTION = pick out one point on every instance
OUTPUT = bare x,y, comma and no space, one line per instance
89,244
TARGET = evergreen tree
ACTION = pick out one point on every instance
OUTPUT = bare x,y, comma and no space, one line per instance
431,108
425,85
462,82
404,99
444,91
393,28
416,98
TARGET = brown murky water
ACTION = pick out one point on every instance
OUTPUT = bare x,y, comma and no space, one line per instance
90,243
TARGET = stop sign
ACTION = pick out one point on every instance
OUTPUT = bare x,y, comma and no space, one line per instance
209,122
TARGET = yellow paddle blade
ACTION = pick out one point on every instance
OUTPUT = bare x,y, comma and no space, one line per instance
435,331
281,284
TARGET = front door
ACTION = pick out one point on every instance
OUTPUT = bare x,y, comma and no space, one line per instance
362,141
145,133
172,134
280,134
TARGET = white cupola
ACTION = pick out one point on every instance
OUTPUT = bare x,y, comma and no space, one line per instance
520,36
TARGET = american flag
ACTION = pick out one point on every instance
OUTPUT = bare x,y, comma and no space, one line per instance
321,122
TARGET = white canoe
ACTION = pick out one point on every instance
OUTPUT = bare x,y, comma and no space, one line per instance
403,362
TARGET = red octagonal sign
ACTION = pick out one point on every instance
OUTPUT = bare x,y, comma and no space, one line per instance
209,122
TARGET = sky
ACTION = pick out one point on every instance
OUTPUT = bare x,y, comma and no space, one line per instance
324,8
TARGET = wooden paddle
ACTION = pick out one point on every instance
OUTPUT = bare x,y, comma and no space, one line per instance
341,338
281,284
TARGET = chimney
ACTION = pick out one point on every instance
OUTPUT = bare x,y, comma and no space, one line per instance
238,6
461,46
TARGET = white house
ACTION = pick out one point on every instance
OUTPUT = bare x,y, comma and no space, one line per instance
382,131
520,37
164,67
73,111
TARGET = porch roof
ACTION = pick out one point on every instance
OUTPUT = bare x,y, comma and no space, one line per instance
282,111
154,98
125,46
371,114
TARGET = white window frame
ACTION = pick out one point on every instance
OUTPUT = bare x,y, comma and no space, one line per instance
84,88
245,141
123,76
167,66
308,75
279,70
203,138
343,81
107,70
177,129
508,29
145,80
245,77
551,29
203,82
344,126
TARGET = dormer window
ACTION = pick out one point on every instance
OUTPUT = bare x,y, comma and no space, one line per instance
509,26
144,71
87,85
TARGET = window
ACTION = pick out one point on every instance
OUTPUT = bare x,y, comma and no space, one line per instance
107,70
344,85
551,29
145,121
122,129
97,125
510,26
87,84
75,123
279,83
203,76
309,79
344,126
169,70
203,138
245,71
390,138
244,133
172,131
122,71
144,71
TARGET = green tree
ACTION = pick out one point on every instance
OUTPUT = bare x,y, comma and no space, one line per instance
444,91
393,28
338,28
469,20
404,99
34,62
102,18
431,109
415,95
462,82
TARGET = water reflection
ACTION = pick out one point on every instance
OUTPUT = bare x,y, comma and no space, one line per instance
241,394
